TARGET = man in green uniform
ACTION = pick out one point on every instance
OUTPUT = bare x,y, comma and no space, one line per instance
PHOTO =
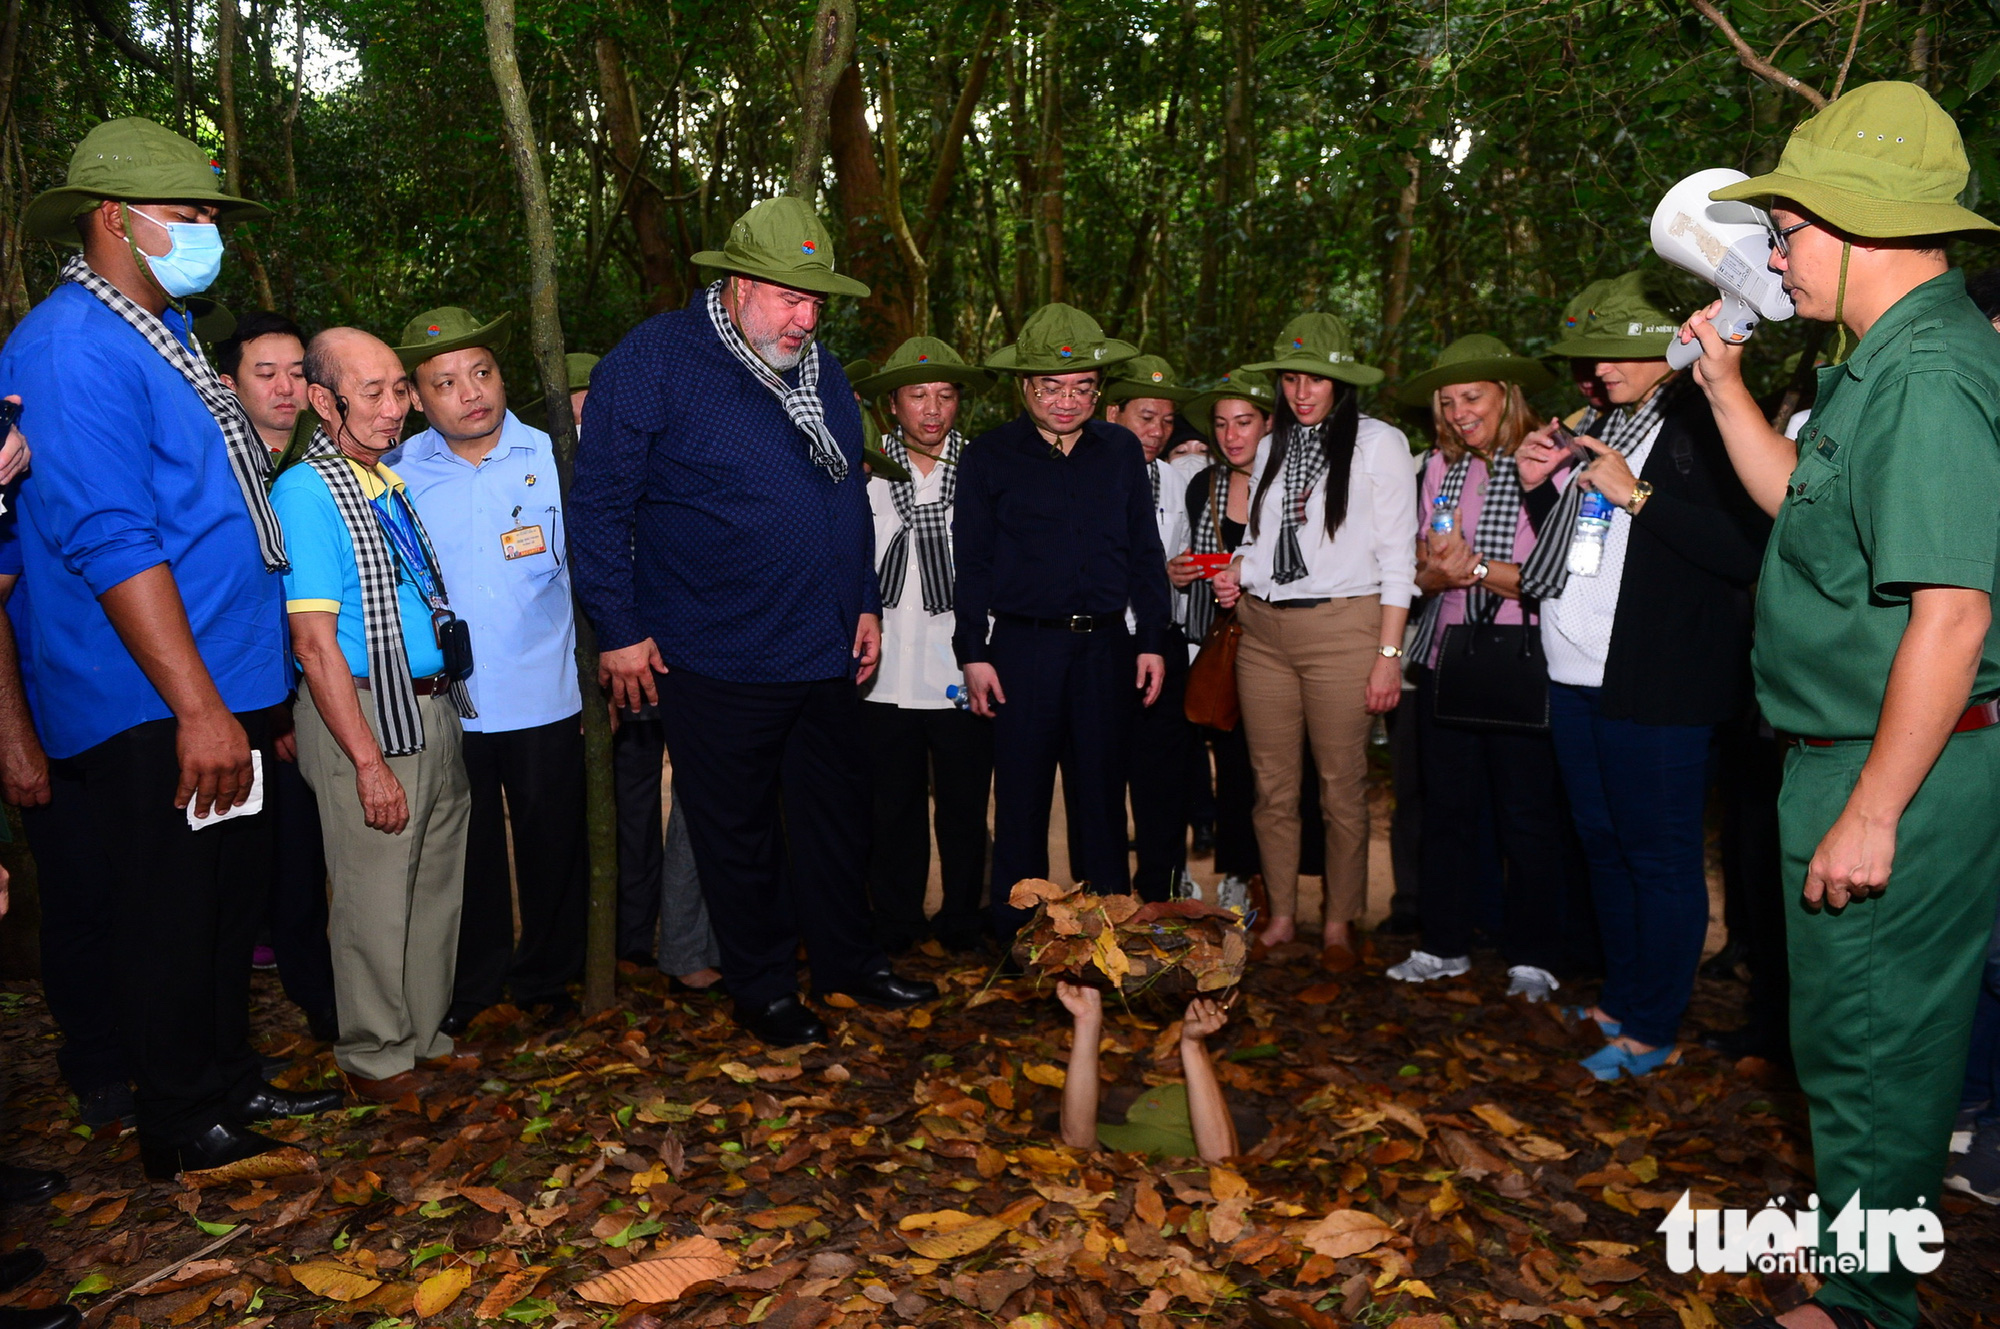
1877,649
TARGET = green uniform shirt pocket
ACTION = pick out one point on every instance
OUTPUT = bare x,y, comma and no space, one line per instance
1816,523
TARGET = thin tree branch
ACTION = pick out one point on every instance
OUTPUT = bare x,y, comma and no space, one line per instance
1860,16
1755,63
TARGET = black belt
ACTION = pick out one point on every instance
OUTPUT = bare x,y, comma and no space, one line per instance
1296,604
434,686
1070,623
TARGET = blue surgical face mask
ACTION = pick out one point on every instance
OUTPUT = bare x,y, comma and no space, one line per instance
193,262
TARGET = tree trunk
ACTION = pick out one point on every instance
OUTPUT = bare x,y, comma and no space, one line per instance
660,262
545,324
1239,161
1049,174
232,140
1920,45
952,150
10,50
869,252
1396,296
1024,177
917,310
831,54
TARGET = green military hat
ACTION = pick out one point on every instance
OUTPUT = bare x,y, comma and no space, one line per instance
1883,161
1319,344
578,365
856,370
1060,339
1158,1123
1475,359
1581,307
920,360
448,328
781,240
136,161
877,461
1620,324
1145,376
1241,384
212,320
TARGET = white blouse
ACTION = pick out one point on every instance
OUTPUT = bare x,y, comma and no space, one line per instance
1375,550
917,661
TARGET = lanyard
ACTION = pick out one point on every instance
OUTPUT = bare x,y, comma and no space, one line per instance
398,522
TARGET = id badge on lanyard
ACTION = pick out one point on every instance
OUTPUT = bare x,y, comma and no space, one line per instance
522,541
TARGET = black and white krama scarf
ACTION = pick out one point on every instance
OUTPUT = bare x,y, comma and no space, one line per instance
931,523
249,459
402,724
1305,466
1205,537
1622,429
1492,538
801,403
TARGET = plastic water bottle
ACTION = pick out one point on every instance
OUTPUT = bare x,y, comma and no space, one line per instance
1444,516
1593,524
958,696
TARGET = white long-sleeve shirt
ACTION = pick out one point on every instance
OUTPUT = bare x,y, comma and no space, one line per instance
1375,550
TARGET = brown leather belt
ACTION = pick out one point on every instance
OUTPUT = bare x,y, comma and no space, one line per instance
434,686
1979,715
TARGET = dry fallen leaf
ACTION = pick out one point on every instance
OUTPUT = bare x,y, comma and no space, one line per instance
436,1293
290,1161
1498,1118
949,1233
1031,891
784,1215
665,1277
1043,1073
1608,1269
510,1290
334,1281
1346,1232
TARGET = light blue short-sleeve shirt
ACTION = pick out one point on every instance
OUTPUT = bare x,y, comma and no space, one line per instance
518,606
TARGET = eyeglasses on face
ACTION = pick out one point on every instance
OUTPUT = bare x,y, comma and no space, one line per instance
1781,240
1064,393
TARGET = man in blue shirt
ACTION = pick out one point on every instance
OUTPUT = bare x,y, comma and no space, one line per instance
723,547
486,486
378,717
1055,538
151,616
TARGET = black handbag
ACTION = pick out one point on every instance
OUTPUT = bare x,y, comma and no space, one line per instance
1492,677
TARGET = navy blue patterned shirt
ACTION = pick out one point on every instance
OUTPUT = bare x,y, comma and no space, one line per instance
698,518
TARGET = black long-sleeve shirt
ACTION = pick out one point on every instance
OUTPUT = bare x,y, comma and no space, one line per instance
1044,535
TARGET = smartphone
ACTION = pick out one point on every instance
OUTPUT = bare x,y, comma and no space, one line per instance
1207,565
10,416
1566,437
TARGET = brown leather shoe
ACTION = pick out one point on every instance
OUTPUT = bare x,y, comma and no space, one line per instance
1337,959
392,1090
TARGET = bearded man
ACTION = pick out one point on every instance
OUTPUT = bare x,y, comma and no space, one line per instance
721,543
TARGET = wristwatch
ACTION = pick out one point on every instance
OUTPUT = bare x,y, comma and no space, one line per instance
1641,491
1390,652
1480,569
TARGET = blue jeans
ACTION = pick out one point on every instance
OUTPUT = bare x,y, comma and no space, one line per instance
1638,792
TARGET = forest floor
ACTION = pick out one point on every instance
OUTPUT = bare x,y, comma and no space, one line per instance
907,1174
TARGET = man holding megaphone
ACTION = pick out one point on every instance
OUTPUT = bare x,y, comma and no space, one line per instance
1876,649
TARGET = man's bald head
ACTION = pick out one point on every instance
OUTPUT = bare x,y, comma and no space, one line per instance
359,388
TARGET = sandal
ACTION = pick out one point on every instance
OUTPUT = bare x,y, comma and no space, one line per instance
1576,1014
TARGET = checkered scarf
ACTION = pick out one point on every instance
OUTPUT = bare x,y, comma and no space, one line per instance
249,459
402,724
801,403
1305,466
1205,537
930,521
1622,429
1492,538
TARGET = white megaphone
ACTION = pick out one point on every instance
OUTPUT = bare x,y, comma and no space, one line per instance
1728,244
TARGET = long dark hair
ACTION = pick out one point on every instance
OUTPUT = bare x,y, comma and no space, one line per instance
1342,423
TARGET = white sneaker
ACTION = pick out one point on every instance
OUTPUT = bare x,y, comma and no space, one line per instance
1233,893
1422,967
1524,980
1186,888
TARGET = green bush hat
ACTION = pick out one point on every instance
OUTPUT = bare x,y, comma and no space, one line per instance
1240,384
135,161
1060,339
1158,1123
578,365
1475,359
781,240
1579,309
1319,344
856,370
1145,376
1883,161
1621,324
212,320
448,328
921,360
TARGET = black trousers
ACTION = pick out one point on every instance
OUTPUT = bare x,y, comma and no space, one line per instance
638,755
1749,770
540,773
298,893
1069,702
79,934
921,757
1236,852
774,781
1466,773
185,905
1163,743
1406,825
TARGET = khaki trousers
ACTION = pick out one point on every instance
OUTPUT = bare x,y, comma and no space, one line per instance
393,914
1302,676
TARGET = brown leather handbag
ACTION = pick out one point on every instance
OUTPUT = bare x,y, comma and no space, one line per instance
1211,681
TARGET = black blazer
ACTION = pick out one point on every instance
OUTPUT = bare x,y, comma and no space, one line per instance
1680,641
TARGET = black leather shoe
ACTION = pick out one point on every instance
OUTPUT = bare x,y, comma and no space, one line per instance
25,1185
267,1100
219,1144
1399,925
17,1267
551,1011
457,1020
106,1105
885,988
323,1025
48,1317
786,1022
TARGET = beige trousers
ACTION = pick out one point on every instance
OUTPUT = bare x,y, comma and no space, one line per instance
1302,676
393,912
